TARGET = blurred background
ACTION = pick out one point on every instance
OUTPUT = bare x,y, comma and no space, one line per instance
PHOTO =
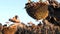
10,8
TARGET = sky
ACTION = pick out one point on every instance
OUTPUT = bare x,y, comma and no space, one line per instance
10,8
